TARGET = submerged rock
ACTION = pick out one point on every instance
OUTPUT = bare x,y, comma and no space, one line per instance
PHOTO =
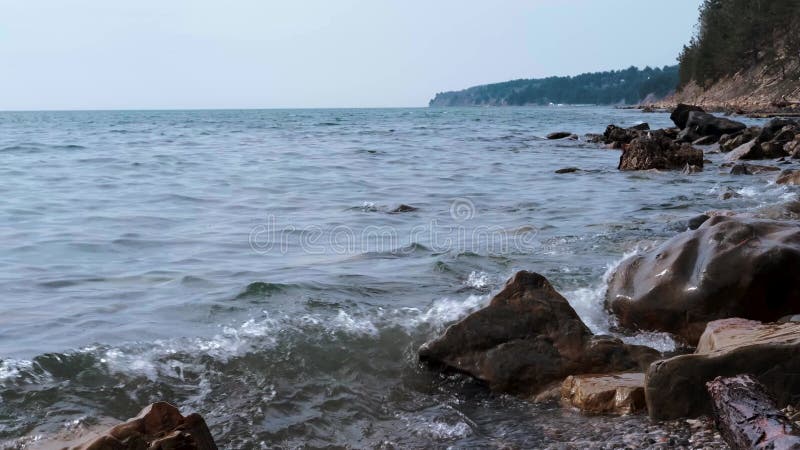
403,208
526,339
727,267
568,170
675,387
159,426
559,135
621,393
659,151
751,169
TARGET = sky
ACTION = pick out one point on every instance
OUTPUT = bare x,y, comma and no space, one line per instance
175,54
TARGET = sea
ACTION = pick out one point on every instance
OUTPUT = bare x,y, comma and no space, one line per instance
277,270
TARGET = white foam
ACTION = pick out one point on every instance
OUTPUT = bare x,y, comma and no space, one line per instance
446,310
478,280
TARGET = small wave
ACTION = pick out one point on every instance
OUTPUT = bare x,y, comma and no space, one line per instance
262,289
478,280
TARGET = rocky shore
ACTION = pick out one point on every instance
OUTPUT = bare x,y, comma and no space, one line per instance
725,288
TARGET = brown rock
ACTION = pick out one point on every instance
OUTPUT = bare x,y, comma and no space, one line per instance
621,393
159,426
728,142
789,176
728,267
657,151
752,169
675,387
527,338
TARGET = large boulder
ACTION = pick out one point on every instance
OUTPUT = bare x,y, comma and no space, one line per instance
159,426
727,267
528,338
675,387
656,150
772,128
680,115
705,124
619,393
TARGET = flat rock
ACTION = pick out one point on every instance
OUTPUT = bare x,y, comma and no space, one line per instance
675,387
620,393
526,339
568,170
748,150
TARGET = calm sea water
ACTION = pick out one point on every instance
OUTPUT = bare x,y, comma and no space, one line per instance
246,264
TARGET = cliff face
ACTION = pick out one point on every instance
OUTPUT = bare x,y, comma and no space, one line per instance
758,89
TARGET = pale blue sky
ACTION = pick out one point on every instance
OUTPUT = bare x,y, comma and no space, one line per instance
101,54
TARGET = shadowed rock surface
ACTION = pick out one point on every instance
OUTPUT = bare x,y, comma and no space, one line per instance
727,267
675,387
528,337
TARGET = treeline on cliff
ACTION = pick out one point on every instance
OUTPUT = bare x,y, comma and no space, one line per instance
629,86
733,35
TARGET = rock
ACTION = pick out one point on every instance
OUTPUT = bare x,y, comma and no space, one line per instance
747,416
774,126
729,194
728,267
621,393
706,124
657,151
644,126
402,208
706,140
688,135
689,169
728,142
527,338
748,150
751,169
696,221
792,148
789,176
568,170
675,387
680,115
158,426
772,149
559,135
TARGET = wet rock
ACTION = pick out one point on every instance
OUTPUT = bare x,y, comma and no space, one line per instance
568,170
774,126
696,221
675,387
728,267
706,140
792,148
158,426
789,176
705,124
772,149
658,151
680,115
728,142
751,169
402,208
527,338
621,393
729,194
748,150
688,135
644,126
559,135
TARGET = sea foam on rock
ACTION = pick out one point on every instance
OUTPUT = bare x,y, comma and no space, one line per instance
727,267
527,338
